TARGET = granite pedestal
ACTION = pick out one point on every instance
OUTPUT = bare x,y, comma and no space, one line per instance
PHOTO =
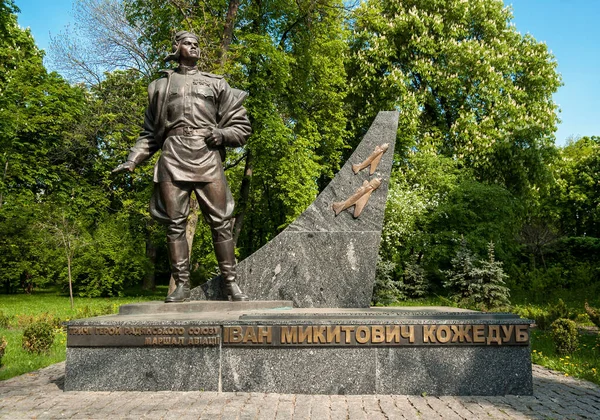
324,260
245,347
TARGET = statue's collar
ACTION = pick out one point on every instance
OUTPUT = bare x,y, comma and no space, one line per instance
187,69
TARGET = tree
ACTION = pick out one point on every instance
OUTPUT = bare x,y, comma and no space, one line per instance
461,277
68,235
468,85
482,283
102,40
572,202
490,290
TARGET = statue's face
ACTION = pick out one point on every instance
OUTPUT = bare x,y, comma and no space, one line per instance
188,48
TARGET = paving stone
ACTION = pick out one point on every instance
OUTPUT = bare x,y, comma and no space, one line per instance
423,408
338,407
390,409
442,408
302,407
355,408
37,395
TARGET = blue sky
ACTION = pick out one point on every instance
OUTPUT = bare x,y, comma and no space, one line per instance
570,28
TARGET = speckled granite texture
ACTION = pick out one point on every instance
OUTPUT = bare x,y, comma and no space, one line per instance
304,369
142,369
323,260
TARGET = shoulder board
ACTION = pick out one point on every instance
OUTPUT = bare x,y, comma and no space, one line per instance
216,76
165,72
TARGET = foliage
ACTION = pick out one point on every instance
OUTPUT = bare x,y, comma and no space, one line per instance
38,337
593,314
414,281
386,290
545,315
461,276
5,320
111,261
572,201
468,85
565,336
481,283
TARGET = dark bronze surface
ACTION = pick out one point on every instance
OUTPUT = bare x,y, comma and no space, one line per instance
191,117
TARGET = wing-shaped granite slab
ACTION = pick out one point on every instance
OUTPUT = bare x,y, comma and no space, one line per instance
324,260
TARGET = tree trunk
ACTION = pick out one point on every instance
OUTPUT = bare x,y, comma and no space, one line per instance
244,194
70,279
190,231
228,29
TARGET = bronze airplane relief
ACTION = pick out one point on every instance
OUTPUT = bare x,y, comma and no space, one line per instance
359,199
373,159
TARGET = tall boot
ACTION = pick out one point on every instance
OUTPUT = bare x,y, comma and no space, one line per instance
226,257
180,268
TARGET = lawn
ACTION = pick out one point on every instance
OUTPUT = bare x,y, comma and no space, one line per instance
20,310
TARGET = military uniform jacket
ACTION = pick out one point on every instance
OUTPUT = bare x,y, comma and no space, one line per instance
195,103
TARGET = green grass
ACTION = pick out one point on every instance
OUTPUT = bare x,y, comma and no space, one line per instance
23,309
584,363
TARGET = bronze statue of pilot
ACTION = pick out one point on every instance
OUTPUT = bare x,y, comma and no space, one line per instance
192,116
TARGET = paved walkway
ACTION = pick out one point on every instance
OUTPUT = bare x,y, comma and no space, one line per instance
39,395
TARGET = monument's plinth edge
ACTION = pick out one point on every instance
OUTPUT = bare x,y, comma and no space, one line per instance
195,306
407,351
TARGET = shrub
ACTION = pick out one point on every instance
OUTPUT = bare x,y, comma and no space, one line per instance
5,320
38,337
385,291
565,336
482,285
89,312
414,282
593,314
539,315
2,348
559,310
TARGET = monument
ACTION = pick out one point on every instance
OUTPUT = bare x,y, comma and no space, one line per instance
307,326
192,116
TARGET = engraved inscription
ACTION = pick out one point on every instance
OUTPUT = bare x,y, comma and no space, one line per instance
375,335
298,335
144,335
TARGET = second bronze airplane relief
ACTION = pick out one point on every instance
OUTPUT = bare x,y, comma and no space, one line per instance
361,196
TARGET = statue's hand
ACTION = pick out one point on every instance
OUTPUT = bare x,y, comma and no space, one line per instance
215,139
123,167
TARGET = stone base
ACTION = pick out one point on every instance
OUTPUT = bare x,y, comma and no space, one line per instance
438,351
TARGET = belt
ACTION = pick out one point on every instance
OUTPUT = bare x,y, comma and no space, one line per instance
188,132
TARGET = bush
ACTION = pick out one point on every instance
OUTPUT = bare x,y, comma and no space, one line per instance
414,281
5,320
38,337
385,291
544,317
560,310
480,285
2,348
565,336
539,315
89,312
593,314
